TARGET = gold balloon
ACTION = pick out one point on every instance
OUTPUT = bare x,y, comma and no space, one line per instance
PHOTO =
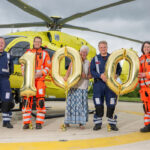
28,60
110,71
76,67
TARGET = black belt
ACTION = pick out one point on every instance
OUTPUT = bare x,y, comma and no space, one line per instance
97,79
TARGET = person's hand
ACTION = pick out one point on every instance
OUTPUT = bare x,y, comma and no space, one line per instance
65,78
38,75
141,75
83,75
103,77
116,76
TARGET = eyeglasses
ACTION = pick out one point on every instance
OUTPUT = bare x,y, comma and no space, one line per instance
37,41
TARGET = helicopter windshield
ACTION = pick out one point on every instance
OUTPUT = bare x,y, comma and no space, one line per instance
50,52
10,38
18,50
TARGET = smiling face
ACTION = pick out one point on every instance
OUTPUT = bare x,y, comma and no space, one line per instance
2,44
83,54
146,48
102,49
37,43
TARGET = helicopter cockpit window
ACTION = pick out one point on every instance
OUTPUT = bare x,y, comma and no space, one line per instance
50,52
18,50
57,37
10,38
67,62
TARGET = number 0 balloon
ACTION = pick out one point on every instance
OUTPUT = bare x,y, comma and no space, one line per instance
76,68
110,71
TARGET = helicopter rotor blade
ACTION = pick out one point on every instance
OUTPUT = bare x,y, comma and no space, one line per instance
81,14
22,25
31,10
105,33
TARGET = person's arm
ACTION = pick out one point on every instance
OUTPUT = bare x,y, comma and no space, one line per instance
68,72
89,75
11,65
47,65
119,70
147,75
142,74
93,71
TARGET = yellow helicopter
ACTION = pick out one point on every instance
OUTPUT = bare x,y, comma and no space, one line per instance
53,39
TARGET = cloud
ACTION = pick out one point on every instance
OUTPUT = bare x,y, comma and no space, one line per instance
131,19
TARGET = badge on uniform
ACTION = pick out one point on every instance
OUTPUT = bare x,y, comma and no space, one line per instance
112,101
40,91
97,101
7,96
97,62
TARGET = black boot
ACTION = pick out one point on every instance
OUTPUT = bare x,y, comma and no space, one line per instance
113,127
145,129
97,127
26,126
38,126
7,125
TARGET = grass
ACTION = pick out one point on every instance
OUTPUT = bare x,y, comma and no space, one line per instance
121,98
130,99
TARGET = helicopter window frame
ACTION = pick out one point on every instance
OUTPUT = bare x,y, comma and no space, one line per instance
9,39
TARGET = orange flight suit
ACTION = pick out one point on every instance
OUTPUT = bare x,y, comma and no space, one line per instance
43,65
145,86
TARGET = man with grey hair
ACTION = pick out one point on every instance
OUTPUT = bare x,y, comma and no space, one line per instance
6,68
101,90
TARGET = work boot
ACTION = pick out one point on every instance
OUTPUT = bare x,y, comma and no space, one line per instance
113,127
97,127
26,126
38,126
145,129
7,125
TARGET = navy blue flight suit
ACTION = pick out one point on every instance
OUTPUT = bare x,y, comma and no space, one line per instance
101,91
6,68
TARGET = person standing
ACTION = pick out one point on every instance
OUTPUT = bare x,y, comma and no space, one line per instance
101,90
42,69
144,82
6,69
77,99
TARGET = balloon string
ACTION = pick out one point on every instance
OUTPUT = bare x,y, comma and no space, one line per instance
66,89
124,54
120,87
63,126
66,53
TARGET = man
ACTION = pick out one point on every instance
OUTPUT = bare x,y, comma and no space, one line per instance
42,69
101,90
6,68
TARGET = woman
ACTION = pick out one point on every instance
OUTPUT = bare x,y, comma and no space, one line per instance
77,100
144,81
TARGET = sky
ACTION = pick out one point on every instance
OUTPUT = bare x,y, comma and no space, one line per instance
130,20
